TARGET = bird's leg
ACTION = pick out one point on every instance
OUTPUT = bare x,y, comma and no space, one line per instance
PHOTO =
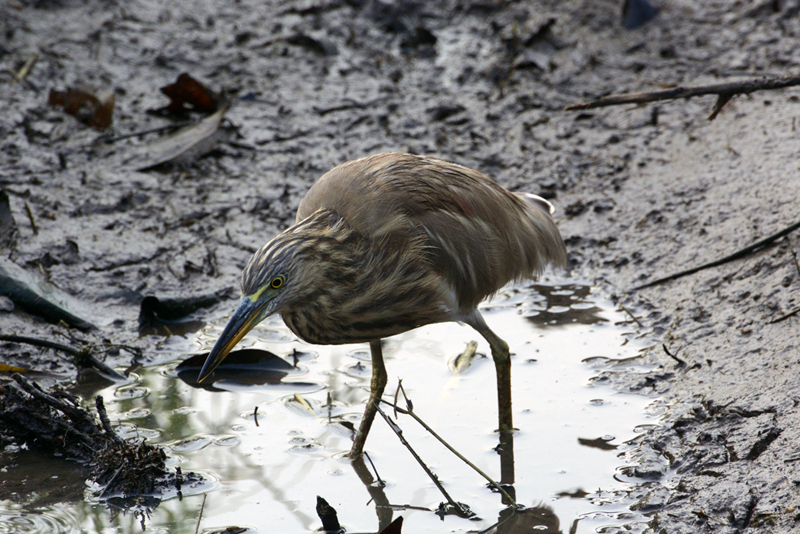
502,364
376,392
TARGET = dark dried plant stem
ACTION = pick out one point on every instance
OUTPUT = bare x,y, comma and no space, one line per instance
785,316
381,483
724,92
681,363
34,228
433,433
122,466
81,355
399,433
43,343
731,257
36,392
200,515
632,316
104,421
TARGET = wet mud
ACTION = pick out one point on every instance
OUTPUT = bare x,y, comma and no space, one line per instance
151,252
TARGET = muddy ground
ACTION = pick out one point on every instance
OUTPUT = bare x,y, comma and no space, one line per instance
640,192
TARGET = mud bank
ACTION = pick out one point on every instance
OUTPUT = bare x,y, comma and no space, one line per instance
641,191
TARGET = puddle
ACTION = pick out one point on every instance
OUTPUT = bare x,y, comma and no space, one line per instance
273,447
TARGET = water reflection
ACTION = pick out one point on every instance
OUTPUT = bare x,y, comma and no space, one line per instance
375,489
245,367
540,518
274,438
563,305
506,451
57,519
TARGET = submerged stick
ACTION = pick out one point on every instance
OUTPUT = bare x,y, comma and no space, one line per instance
381,483
83,357
200,515
399,433
104,421
433,433
724,92
729,258
327,514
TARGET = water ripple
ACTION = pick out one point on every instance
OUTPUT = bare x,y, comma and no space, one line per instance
49,520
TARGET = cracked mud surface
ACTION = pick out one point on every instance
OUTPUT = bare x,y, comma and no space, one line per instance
640,192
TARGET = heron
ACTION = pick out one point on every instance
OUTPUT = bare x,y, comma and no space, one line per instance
388,243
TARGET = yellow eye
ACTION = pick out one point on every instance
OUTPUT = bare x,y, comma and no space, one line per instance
277,282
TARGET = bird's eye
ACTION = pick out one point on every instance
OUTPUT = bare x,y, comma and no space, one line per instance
277,282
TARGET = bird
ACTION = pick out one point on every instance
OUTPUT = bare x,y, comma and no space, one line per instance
389,243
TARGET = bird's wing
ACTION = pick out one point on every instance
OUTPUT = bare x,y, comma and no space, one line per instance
479,236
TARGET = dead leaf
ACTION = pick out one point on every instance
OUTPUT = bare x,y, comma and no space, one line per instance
304,403
35,295
95,110
464,360
181,147
187,94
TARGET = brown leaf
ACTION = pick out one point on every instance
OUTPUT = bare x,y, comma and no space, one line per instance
187,94
93,110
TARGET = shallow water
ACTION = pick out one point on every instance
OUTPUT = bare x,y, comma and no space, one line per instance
266,468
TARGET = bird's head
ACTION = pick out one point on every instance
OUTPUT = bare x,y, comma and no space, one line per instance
289,269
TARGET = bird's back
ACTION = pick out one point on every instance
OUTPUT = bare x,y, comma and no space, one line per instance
477,235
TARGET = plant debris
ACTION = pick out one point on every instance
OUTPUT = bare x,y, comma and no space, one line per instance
39,297
187,94
95,109
183,146
55,423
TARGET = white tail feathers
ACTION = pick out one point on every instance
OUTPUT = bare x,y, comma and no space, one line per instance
537,201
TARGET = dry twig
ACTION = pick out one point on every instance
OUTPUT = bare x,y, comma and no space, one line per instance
82,357
724,92
746,251
459,508
433,433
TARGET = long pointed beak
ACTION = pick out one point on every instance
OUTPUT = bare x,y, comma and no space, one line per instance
246,316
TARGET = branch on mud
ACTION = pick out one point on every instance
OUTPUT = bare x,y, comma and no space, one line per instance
796,310
724,92
746,251
82,357
785,316
681,363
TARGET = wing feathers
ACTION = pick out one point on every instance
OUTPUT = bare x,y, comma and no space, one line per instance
479,236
